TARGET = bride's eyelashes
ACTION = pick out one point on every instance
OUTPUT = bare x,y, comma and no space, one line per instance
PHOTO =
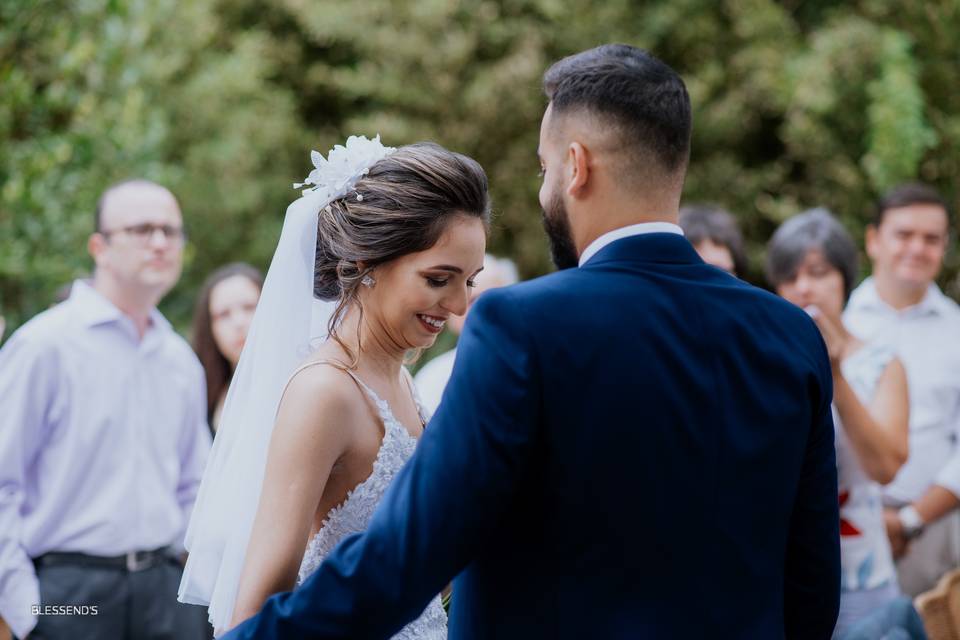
436,283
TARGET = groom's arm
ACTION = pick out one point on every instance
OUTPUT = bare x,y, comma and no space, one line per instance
441,506
812,572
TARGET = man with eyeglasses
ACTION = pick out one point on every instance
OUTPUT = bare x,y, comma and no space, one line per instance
103,441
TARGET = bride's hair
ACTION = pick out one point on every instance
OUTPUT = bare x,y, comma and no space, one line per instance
402,206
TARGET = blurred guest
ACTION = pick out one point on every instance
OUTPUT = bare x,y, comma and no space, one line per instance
901,304
221,319
103,441
812,262
432,378
714,233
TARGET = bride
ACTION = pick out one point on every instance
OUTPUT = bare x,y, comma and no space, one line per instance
391,239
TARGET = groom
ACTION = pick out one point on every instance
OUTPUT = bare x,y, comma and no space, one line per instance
641,447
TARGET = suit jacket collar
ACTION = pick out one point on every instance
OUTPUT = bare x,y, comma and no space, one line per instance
648,248
626,232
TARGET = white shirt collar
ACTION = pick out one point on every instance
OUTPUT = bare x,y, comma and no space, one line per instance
626,232
866,297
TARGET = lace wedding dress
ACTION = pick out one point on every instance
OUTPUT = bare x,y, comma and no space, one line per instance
354,513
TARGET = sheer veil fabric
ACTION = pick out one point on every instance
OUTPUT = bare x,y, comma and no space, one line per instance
287,321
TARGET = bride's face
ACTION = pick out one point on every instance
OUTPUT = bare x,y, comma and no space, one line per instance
416,294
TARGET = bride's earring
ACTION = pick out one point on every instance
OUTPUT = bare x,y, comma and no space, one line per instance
368,281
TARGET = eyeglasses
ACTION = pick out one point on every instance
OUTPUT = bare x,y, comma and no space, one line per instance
144,233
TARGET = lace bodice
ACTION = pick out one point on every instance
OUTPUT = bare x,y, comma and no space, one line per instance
354,513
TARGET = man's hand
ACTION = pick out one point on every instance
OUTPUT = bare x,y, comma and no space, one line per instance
898,542
5,633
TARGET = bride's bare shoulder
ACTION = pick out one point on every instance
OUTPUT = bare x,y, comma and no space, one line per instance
321,397
322,382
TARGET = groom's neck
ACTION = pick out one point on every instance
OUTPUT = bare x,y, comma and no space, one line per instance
596,225
610,203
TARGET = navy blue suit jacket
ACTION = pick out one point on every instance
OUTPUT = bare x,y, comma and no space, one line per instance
638,448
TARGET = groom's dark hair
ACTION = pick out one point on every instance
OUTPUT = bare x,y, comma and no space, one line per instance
640,97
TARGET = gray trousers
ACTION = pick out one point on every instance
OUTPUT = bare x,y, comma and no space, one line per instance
140,605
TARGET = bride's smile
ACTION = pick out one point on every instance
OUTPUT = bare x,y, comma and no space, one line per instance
433,324
414,295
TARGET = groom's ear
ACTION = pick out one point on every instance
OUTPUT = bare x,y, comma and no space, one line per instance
579,169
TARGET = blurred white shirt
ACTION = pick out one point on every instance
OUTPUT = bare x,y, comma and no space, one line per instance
926,337
432,379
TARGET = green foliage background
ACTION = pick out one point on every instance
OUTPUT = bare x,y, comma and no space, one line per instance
796,104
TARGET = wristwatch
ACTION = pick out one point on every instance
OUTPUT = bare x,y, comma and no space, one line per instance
911,522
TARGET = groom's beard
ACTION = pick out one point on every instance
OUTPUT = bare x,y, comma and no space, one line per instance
557,225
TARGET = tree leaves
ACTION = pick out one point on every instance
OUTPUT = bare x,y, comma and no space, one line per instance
795,105
898,133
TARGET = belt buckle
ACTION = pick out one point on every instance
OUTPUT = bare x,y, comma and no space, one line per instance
137,564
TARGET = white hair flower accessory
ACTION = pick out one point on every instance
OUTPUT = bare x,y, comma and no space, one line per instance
335,176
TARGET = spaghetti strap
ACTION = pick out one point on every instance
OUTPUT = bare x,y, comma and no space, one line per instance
313,363
412,387
371,394
307,365
383,409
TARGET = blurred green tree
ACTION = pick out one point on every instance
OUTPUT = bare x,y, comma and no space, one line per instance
96,91
796,104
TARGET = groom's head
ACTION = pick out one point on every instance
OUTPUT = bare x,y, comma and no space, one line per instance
614,145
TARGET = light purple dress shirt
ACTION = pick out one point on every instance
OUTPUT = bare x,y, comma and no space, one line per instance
103,440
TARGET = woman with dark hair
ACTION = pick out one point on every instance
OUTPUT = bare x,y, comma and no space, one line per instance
221,319
392,240
812,262
714,233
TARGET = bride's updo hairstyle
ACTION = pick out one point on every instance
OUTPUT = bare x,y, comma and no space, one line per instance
402,206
